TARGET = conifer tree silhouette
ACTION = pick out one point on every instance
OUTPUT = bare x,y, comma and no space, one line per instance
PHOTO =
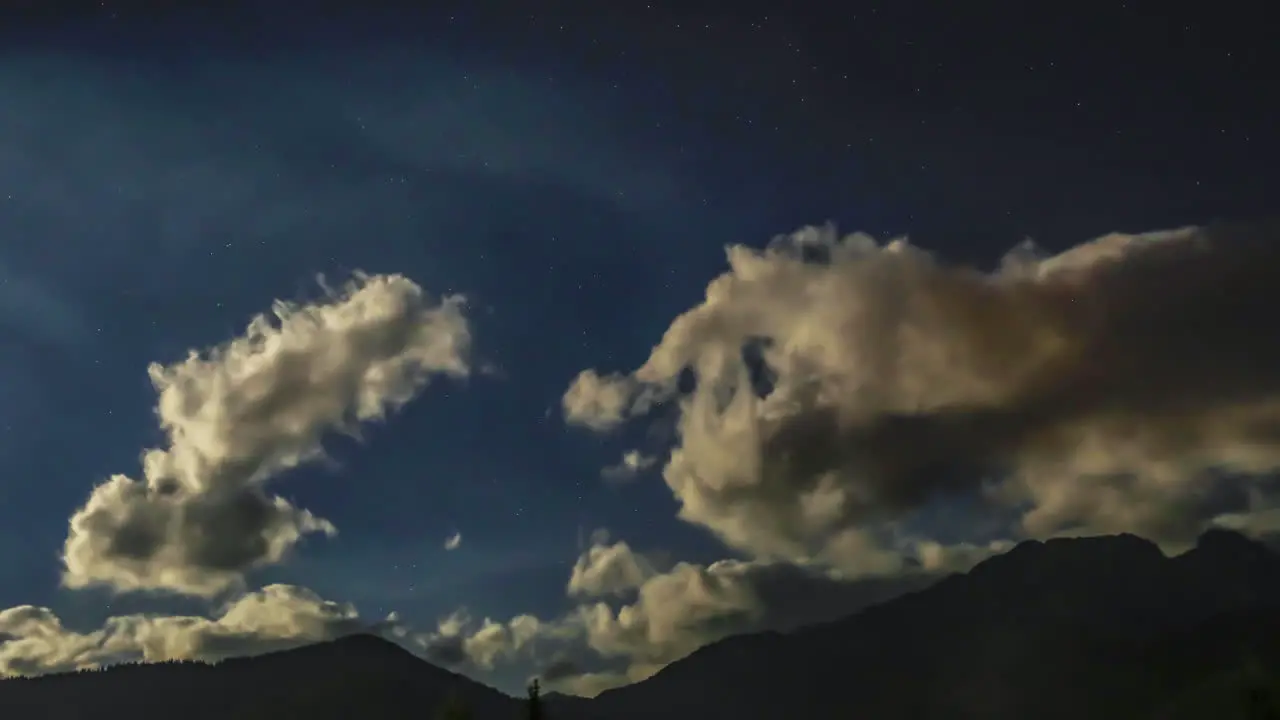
535,701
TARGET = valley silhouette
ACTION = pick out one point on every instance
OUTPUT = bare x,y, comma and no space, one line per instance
1099,628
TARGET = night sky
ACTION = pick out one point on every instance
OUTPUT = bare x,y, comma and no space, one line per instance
576,176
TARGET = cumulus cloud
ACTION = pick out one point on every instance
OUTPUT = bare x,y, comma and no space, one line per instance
240,414
633,463
564,675
640,617
33,639
688,606
935,557
609,570
637,618
569,680
841,384
599,402
453,542
675,611
458,641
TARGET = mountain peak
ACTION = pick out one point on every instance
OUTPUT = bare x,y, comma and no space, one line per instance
1216,540
1227,553
367,643
1126,543
1111,550
368,646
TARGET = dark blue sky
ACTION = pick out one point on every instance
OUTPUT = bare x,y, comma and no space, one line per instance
166,176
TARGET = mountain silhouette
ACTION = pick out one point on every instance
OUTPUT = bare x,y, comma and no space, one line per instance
1099,628
358,676
1066,628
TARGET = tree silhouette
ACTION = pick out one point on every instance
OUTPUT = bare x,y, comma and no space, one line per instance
535,701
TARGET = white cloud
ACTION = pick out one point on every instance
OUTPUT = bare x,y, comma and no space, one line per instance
961,557
33,639
674,614
603,402
600,403
453,542
688,606
1101,388
633,463
609,570
458,641
238,415
1259,518
833,399
669,613
590,684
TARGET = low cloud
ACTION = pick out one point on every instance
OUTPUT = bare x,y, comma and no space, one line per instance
240,414
453,542
675,611
935,557
1131,383
558,669
33,639
459,642
588,684
638,616
671,613
688,606
566,676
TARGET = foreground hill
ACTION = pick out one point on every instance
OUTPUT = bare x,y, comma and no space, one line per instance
1099,628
